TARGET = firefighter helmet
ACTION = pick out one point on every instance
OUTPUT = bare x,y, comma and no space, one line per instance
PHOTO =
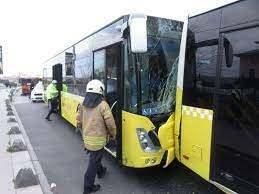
54,81
95,86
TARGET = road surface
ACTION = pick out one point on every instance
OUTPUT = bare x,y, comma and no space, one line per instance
61,155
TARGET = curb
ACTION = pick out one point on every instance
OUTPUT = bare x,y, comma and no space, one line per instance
36,164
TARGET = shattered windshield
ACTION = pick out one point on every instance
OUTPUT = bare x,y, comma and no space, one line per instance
159,75
159,66
158,69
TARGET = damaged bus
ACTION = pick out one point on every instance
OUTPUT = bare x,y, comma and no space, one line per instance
185,91
139,71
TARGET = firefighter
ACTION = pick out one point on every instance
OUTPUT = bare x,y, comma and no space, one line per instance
52,97
95,118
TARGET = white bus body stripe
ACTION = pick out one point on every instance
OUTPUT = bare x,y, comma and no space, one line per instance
182,55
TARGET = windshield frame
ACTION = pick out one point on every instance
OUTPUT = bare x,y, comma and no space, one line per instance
164,31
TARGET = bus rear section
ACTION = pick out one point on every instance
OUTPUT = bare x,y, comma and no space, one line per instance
220,111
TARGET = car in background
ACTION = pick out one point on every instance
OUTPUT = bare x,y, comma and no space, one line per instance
37,93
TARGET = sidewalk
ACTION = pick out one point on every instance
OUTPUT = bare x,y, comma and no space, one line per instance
12,163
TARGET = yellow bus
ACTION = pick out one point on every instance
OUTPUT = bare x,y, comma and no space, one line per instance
185,91
140,80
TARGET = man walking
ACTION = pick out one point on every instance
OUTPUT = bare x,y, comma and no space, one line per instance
52,97
97,122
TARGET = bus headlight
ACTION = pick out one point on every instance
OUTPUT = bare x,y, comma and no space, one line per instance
145,142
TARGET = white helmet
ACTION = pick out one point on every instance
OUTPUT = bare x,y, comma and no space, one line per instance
54,81
95,86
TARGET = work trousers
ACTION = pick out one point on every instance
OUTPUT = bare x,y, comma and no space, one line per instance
94,167
53,106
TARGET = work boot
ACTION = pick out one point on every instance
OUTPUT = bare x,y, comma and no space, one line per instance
48,119
102,174
92,189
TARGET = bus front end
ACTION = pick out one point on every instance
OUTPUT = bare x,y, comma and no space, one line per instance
150,85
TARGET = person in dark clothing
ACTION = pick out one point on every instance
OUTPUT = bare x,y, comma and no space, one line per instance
31,88
96,120
53,108
52,96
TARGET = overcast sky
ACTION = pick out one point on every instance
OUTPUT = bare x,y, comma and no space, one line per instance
32,31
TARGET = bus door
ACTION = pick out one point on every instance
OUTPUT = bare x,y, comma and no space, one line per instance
107,68
57,75
198,102
236,137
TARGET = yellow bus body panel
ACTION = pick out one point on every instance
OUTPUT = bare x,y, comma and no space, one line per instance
166,138
69,104
196,131
132,153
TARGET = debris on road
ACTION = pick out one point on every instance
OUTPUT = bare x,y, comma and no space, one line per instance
53,188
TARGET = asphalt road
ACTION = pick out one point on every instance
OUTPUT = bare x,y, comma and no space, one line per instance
61,155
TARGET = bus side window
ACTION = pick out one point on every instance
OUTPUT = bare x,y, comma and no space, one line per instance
200,72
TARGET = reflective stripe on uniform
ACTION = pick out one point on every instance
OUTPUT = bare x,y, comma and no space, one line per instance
94,140
94,143
108,113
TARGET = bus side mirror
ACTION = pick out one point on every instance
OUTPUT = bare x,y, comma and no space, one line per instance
228,52
138,33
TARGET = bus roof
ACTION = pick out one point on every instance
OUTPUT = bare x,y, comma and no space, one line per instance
123,16
86,37
203,13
